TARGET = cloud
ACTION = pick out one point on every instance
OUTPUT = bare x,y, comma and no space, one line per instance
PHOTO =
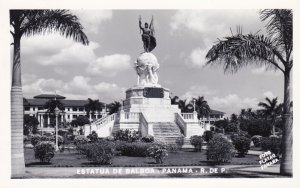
103,87
215,22
197,58
109,65
263,70
92,19
232,103
79,84
269,94
44,44
28,78
60,70
75,54
42,85
197,90
79,87
56,50
206,26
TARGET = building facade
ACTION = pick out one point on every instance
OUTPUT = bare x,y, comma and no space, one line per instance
72,109
213,116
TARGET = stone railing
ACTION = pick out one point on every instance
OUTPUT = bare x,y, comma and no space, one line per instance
187,115
190,117
181,123
104,120
211,119
131,116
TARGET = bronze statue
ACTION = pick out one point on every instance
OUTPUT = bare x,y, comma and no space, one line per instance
148,35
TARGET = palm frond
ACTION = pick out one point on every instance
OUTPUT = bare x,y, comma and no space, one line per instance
240,50
280,27
48,21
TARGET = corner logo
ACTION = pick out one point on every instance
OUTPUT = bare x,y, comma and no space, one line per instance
267,159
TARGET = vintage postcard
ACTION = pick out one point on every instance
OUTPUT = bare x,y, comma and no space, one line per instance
101,93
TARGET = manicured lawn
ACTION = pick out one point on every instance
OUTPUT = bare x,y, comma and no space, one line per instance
180,158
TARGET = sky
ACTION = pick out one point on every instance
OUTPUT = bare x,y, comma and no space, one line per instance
104,69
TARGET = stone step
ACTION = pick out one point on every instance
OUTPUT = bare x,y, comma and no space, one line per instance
168,141
167,132
167,135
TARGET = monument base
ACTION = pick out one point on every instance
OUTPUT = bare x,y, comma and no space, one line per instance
148,109
156,107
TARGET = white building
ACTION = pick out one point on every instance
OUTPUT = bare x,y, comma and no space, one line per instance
73,109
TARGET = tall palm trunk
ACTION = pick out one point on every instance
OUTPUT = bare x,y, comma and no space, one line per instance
17,149
286,167
273,126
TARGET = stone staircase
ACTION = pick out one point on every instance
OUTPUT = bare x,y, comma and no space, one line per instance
167,132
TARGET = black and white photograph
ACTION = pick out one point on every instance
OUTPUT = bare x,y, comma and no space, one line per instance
150,93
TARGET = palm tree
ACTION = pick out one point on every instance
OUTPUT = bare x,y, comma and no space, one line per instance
184,106
202,107
234,119
273,50
29,23
92,107
271,110
174,100
52,104
114,107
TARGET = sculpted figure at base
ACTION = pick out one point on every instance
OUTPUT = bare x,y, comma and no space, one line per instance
146,67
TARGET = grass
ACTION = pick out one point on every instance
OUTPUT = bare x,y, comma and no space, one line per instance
180,158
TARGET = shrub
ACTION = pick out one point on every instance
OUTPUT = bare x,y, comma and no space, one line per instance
207,135
147,139
256,139
242,145
62,132
272,144
80,139
134,149
219,149
35,139
44,151
258,127
25,138
196,141
127,135
101,152
173,148
180,141
158,152
80,121
93,137
30,124
60,139
110,138
79,142
70,134
233,136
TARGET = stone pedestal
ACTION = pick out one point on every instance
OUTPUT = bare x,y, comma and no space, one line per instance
154,109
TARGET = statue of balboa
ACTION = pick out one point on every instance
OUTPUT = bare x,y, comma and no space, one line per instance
146,64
